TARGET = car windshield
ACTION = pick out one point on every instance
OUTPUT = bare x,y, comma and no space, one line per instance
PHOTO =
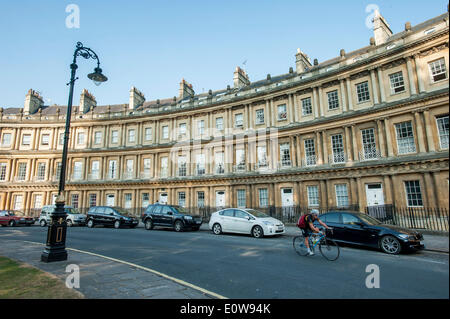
122,211
70,210
257,213
369,219
182,210
10,213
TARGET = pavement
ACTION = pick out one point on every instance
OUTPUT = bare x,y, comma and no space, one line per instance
103,278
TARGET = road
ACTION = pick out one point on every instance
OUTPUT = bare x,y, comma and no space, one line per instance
238,266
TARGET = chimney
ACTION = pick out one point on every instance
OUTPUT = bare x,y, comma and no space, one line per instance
302,62
87,102
186,89
136,98
33,101
381,29
240,78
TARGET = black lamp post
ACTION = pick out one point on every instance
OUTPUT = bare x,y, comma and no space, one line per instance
55,249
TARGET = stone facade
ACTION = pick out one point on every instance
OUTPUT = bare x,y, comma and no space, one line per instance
330,134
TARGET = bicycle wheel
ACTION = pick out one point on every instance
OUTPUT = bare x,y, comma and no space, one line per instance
299,245
329,249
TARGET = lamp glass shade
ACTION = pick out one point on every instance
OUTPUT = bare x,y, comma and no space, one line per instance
97,76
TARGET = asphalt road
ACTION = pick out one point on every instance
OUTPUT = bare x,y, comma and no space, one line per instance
238,266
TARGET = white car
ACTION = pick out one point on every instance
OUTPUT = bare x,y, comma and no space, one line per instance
245,221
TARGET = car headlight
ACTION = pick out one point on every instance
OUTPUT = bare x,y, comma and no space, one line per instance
188,217
22,218
404,236
268,223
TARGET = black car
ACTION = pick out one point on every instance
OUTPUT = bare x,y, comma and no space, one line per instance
110,216
170,216
361,229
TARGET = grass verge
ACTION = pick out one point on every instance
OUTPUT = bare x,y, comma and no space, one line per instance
21,281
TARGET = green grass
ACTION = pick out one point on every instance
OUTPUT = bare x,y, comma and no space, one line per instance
21,281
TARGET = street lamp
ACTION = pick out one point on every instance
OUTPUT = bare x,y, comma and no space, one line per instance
55,249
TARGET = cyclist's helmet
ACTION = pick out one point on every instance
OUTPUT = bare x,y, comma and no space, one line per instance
315,212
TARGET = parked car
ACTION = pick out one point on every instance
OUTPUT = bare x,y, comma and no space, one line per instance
116,217
361,229
14,218
73,217
245,221
170,216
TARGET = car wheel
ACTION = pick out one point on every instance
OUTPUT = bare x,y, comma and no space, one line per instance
117,224
149,224
43,223
217,229
257,232
69,223
178,226
390,245
12,223
90,223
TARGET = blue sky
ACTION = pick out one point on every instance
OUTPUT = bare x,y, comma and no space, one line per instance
154,44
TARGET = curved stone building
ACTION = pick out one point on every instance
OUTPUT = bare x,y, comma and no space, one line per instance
367,128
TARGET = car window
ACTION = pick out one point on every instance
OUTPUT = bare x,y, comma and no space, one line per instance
166,210
157,209
150,209
240,214
348,219
99,210
228,213
332,218
2,214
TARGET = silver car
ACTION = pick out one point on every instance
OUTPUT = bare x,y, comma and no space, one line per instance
72,217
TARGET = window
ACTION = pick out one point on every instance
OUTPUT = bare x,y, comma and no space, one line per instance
397,83
200,199
282,113
333,218
6,139
362,91
240,214
41,172
92,200
200,161
45,139
37,201
182,166
240,159
58,170
333,100
338,148
80,138
77,170
239,120
260,116
341,195
164,166
405,138
182,129
165,132
442,124
112,169
413,193
129,168
241,198
97,138
147,167
310,152
26,139
438,70
201,127
145,199
262,156
22,173
61,139
74,200
306,106
348,219
313,196
95,170
148,133
263,197
219,163
128,200
182,199
131,136
18,202
369,145
219,123
2,171
285,155
114,137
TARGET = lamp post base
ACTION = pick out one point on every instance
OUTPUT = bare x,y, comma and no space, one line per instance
51,254
55,250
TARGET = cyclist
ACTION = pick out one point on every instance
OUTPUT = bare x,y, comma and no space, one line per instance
310,228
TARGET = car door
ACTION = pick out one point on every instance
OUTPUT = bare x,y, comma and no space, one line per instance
166,216
334,220
156,214
226,220
242,222
354,231
3,218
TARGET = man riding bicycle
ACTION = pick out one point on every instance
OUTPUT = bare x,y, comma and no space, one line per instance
309,227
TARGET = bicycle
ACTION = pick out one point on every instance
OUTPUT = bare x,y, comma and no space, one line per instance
327,247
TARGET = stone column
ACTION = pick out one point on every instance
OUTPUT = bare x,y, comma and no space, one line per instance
360,194
389,140
273,113
291,108
344,99
321,110
380,84
349,94
298,150
411,76
267,116
381,144
419,132
430,190
429,131
348,144
319,149
419,74
374,86
354,143
325,147
296,109
315,102
388,198
292,151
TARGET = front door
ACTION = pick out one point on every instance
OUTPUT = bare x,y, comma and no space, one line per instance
220,199
287,201
374,194
163,198
110,200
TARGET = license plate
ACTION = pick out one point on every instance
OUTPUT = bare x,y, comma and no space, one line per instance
198,222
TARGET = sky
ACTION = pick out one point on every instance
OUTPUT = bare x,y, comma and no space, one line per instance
152,45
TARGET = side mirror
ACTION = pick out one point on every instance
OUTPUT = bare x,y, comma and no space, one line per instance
169,213
112,214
